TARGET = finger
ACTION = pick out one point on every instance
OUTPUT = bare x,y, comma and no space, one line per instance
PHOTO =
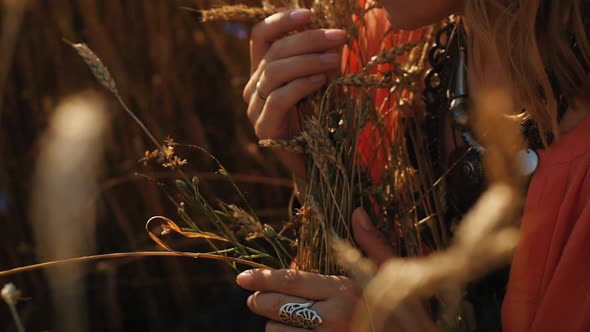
250,87
278,327
255,107
369,238
272,28
281,100
309,41
297,283
280,72
269,304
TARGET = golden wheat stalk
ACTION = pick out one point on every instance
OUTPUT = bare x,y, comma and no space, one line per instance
390,55
102,74
98,69
395,79
252,15
63,221
140,254
235,13
365,81
320,147
296,144
248,223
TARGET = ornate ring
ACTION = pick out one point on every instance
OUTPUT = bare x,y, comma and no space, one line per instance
259,92
300,315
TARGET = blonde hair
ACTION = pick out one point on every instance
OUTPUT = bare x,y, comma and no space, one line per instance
534,41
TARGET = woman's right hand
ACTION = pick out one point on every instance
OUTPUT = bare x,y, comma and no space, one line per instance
286,68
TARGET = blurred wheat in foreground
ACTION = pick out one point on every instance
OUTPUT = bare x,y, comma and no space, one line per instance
485,240
63,208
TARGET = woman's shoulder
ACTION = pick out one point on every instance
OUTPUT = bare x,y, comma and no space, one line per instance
571,147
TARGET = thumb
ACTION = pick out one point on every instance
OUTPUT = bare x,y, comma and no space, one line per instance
369,238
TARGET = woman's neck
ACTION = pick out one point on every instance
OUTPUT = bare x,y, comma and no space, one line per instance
574,115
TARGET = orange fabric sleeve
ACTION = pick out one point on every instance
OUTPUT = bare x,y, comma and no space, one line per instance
549,287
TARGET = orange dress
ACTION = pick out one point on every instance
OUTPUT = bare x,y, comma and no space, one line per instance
549,286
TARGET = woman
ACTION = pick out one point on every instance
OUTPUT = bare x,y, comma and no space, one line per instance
527,47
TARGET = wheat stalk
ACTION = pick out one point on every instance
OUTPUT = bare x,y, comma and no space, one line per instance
327,15
296,145
98,69
320,147
102,74
237,13
390,55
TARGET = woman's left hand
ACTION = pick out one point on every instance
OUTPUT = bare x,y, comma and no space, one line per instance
334,297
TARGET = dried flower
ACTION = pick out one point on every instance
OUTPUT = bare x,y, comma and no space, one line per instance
175,162
169,141
169,152
149,156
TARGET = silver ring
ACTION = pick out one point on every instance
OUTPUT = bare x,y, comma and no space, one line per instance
259,92
300,315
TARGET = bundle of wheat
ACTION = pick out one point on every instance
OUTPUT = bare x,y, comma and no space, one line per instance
350,133
403,195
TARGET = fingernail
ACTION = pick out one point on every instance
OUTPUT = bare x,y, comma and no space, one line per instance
335,34
317,78
329,58
244,278
366,224
300,15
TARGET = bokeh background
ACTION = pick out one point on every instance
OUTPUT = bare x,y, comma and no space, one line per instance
184,80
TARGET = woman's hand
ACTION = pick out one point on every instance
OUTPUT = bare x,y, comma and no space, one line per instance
335,297
285,69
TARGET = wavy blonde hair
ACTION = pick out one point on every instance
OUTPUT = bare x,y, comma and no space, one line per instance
534,41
